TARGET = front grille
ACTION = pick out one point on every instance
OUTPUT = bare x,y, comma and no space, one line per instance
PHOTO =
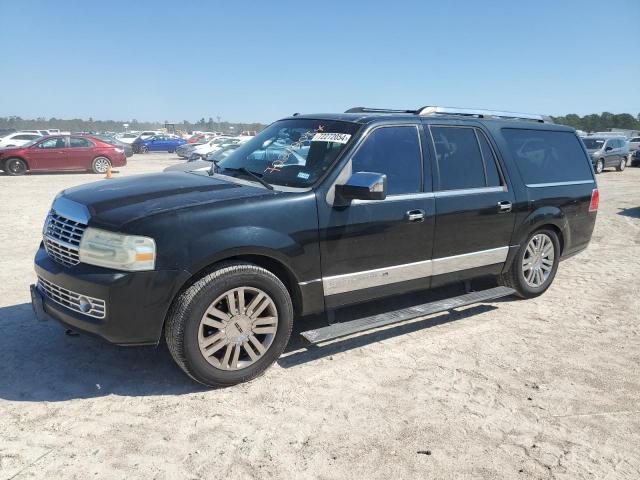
93,307
62,239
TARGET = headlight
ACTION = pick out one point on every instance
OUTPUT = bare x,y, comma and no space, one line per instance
117,251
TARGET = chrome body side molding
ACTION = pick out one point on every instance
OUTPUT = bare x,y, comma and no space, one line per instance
349,282
558,184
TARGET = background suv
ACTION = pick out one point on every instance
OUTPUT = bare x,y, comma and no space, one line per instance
607,152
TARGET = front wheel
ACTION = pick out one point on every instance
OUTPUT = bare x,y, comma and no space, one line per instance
143,149
15,166
622,165
231,325
535,264
599,165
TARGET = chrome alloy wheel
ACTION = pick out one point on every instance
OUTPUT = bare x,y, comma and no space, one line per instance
238,328
101,164
537,262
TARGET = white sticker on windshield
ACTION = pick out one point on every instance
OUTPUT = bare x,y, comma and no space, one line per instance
304,175
331,137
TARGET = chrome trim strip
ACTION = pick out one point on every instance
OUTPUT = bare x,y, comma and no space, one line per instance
373,278
469,191
469,260
558,184
411,271
482,112
308,282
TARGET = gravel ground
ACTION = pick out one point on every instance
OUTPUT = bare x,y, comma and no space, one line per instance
543,388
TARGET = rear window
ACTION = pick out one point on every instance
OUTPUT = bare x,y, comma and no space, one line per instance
546,156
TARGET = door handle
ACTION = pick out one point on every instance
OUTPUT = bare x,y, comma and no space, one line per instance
415,215
504,207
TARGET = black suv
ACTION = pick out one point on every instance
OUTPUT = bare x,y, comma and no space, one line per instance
314,213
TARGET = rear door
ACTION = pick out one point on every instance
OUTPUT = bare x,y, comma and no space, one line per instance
49,154
474,204
80,153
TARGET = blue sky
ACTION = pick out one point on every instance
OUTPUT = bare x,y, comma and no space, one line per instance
261,60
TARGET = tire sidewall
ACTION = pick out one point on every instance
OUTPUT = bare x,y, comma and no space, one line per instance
202,370
8,170
623,164
525,288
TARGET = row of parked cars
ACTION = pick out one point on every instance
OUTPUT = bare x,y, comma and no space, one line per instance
612,151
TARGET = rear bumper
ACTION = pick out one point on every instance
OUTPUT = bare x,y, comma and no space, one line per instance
135,302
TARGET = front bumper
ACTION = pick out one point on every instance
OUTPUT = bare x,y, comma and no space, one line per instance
135,302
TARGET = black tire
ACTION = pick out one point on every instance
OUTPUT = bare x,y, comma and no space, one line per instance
184,317
621,166
514,278
143,149
100,165
15,166
599,166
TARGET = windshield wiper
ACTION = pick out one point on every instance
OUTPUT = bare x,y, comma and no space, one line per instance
251,174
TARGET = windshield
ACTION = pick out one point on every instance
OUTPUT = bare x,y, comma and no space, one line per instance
293,153
593,143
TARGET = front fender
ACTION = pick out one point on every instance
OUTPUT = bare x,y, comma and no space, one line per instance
230,242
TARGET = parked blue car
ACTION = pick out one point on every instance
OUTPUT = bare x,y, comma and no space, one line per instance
158,143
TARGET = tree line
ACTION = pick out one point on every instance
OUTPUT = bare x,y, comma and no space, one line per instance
600,123
91,125
589,123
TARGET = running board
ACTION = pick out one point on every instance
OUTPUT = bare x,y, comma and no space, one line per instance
343,329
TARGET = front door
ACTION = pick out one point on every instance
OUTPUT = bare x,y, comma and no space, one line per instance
371,249
474,206
49,154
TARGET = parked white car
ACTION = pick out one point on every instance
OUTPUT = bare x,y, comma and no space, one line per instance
127,137
215,144
17,139
634,144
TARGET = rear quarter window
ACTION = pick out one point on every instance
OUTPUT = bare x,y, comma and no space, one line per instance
547,156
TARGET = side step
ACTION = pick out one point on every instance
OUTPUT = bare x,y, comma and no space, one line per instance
343,329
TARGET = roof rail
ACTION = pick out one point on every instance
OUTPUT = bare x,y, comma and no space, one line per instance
481,113
378,110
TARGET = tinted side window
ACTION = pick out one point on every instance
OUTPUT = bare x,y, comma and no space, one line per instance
493,177
546,156
394,151
79,142
52,143
458,156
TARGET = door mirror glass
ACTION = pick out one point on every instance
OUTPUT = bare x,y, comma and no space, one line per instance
608,149
362,186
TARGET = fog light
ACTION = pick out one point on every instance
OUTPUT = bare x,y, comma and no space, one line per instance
84,304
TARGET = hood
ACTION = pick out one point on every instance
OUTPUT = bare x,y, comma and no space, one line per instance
113,203
189,166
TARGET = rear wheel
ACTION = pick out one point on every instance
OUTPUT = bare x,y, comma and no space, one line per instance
100,165
622,165
535,264
15,166
599,166
231,325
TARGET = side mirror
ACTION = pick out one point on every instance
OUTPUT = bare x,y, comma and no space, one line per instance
608,149
361,186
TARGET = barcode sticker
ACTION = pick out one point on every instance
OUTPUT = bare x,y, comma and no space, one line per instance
331,137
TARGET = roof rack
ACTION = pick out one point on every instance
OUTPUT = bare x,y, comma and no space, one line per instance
481,113
378,110
471,112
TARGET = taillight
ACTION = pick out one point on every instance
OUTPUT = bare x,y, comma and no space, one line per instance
595,200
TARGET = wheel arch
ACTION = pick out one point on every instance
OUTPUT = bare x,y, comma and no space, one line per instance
545,217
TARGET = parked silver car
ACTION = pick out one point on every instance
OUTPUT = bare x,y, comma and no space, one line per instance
607,152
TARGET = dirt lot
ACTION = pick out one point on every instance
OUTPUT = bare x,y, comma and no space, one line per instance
544,388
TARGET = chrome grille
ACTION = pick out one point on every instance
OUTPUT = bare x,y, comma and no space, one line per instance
94,307
62,238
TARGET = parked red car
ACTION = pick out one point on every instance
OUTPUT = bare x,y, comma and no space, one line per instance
60,153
